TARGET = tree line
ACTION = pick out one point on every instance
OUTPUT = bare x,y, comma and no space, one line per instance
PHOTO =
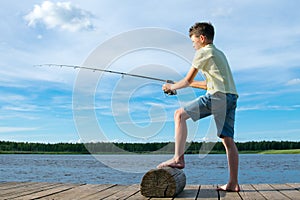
156,147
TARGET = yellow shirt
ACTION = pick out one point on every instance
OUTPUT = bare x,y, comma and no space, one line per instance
213,64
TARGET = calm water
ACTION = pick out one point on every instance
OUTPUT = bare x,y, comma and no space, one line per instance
129,169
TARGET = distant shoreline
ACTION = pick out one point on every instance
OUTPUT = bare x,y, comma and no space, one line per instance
284,151
262,147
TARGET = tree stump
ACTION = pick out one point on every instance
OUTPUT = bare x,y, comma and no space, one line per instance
165,182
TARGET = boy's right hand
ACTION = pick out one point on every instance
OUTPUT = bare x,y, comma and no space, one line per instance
168,90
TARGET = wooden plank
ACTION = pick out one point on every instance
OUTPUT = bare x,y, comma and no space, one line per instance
53,191
9,185
48,191
229,195
6,185
106,193
137,196
208,192
189,192
22,189
268,192
294,185
248,192
79,192
126,192
287,190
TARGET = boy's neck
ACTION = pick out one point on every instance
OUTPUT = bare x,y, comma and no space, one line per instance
205,44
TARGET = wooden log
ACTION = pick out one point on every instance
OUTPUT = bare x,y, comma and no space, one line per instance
165,182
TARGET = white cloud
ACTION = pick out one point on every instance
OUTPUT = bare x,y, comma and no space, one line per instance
20,108
14,129
295,81
267,107
61,15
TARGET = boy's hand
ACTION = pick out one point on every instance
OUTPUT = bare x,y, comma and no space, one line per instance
166,87
168,90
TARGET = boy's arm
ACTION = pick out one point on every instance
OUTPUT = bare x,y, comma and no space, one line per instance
199,84
185,82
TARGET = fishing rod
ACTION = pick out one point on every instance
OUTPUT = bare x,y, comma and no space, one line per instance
170,92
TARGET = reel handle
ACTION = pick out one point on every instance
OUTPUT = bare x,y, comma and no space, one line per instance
170,92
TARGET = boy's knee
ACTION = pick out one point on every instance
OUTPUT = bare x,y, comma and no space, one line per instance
176,114
180,114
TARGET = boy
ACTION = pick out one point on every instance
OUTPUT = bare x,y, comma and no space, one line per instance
219,101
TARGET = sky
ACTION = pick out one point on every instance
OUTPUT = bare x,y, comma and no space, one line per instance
261,40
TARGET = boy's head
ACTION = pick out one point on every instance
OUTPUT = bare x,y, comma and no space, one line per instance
204,29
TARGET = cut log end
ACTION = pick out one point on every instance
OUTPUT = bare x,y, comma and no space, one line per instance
164,182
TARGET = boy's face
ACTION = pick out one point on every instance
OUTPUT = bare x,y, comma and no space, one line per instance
198,42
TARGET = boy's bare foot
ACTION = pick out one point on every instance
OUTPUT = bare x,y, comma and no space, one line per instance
227,188
172,163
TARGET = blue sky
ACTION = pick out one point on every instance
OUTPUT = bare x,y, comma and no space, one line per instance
260,38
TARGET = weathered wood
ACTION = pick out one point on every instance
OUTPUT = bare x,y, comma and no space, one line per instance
269,192
248,192
294,185
125,192
106,194
190,192
229,195
287,191
8,185
26,189
208,192
47,191
57,191
79,192
165,182
137,196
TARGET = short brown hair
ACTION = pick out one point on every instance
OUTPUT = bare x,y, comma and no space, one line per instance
203,28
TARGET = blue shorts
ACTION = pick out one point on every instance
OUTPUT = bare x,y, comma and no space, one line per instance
221,106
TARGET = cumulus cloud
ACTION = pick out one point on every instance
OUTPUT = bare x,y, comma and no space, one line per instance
295,81
61,15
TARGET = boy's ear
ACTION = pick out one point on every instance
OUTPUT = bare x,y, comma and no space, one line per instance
202,38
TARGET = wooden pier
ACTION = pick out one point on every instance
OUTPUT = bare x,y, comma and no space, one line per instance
33,190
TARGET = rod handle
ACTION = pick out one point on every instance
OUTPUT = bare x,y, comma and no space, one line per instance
170,92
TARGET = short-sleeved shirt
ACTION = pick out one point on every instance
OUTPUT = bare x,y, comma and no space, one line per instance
214,65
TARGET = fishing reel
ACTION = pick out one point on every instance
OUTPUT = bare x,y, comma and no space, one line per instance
170,92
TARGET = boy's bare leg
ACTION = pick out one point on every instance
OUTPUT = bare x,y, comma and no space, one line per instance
233,163
177,161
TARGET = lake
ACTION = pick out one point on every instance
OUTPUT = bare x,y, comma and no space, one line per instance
129,169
